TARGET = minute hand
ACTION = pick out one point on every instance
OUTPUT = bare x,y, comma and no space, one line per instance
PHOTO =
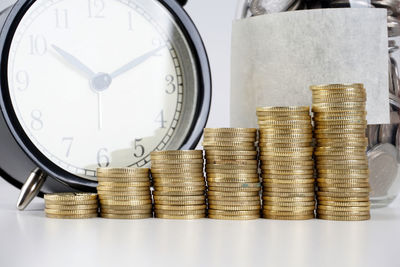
137,61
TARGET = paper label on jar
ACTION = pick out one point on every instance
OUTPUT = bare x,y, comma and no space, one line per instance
276,57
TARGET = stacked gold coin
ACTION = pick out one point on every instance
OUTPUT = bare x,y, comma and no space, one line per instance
232,173
286,162
124,193
179,184
340,123
71,205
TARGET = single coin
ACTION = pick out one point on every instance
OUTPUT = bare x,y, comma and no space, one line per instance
293,130
235,185
339,131
229,143
282,113
233,212
284,109
343,144
344,163
180,189
286,167
180,208
345,204
288,218
288,177
343,180
359,156
289,181
275,152
233,193
289,200
230,134
289,190
234,189
129,207
77,216
239,199
70,212
219,158
265,127
180,180
123,180
344,185
233,162
194,166
232,166
180,203
233,180
344,190
229,130
342,209
213,139
343,171
268,135
183,217
125,212
334,123
176,161
337,135
125,202
177,157
230,153
232,176
125,216
70,196
289,204
284,117
230,148
122,189
234,218
235,207
253,171
188,170
286,208
343,213
123,193
200,184
343,194
71,203
289,172
343,199
287,213
236,203
180,198
131,184
122,172
196,175
292,122
287,185
288,194
177,152
337,86
178,193
263,145
180,212
71,207
317,99
344,218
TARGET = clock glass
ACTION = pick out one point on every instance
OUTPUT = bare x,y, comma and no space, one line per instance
101,83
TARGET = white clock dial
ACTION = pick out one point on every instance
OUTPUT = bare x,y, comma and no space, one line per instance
101,82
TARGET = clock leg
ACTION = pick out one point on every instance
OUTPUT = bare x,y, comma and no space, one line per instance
31,188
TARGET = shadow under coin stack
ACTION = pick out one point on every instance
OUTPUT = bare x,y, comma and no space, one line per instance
179,184
342,165
124,193
232,173
71,205
286,162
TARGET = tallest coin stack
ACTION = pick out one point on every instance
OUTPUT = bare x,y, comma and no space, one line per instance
342,165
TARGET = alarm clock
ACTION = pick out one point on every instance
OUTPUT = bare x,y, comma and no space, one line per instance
98,83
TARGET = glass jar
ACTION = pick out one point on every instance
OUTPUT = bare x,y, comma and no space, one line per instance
383,140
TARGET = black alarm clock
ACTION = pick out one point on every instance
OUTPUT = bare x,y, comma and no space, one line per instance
97,83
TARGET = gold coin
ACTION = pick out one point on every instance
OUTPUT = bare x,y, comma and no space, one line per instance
344,218
289,181
233,180
195,175
289,204
230,148
289,200
219,158
343,213
290,217
232,176
125,202
232,162
235,185
339,131
289,189
288,194
287,213
342,209
345,204
284,118
230,134
288,177
360,156
266,133
290,149
77,216
286,167
197,166
176,162
71,207
283,113
341,167
291,122
234,189
131,184
334,123
288,185
339,90
177,153
182,180
265,136
180,203
179,193
180,208
285,154
233,203
291,208
129,217
229,130
180,189
130,207
71,203
233,212
343,181
180,198
284,109
70,212
234,218
228,143
70,196
341,136
123,193
345,190
200,184
235,207
230,153
344,185
122,172
232,193
337,86
236,199
262,145
180,212
122,189
213,139
343,194
339,150
188,170
290,172
281,159
176,157
183,217
265,127
123,180
334,98
235,172
125,212
349,162
346,171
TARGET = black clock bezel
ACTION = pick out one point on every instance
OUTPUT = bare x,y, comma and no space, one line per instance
200,118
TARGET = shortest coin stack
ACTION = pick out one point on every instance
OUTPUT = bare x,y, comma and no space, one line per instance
232,173
286,162
124,193
179,184
71,205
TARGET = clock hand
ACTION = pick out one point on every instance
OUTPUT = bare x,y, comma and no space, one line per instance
74,62
137,61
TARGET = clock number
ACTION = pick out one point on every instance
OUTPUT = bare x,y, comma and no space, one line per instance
38,45
68,141
130,20
61,18
22,79
139,149
171,87
102,158
37,123
160,119
96,8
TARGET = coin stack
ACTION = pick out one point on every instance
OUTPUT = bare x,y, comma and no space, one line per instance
179,184
232,173
342,165
124,193
71,205
286,162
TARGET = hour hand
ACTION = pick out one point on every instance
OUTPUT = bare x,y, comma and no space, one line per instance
137,61
74,62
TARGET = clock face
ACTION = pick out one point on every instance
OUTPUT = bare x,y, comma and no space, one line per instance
101,83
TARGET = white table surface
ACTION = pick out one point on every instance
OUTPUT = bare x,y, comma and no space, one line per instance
28,238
